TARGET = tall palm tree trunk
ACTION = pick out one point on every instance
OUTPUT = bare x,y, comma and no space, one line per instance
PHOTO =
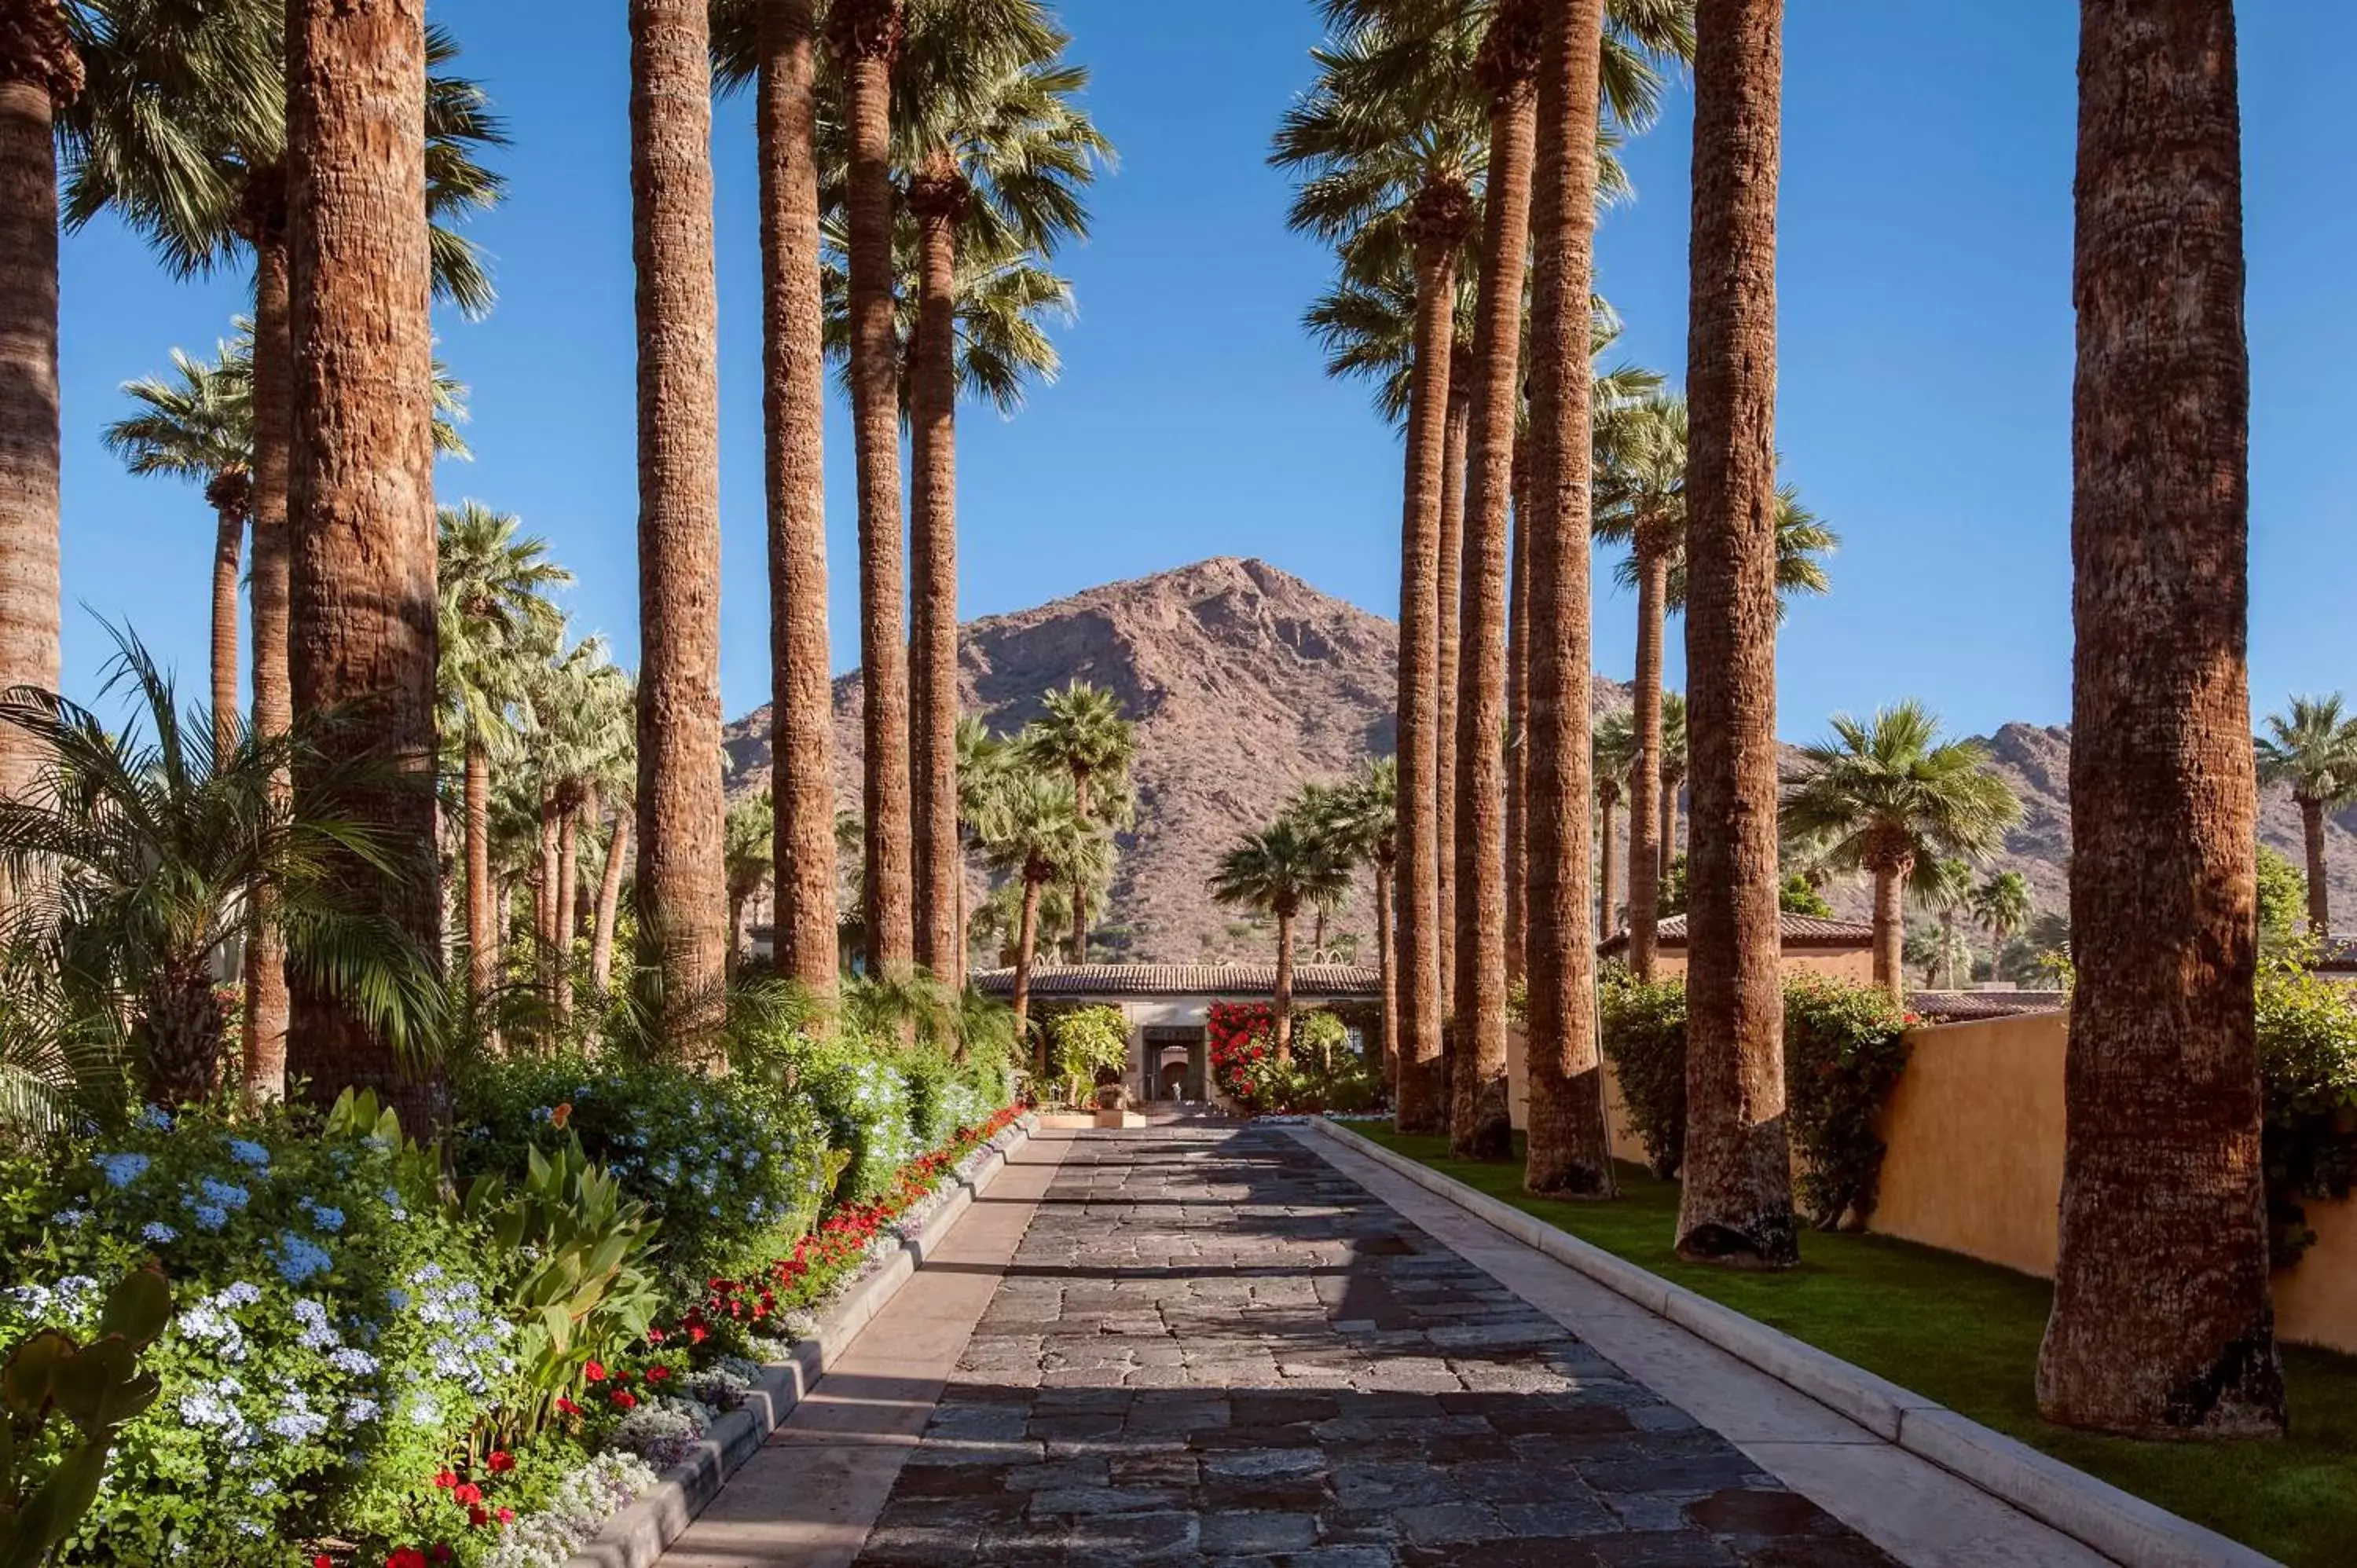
1666,844
1479,1124
1450,631
568,883
1735,1194
682,906
1082,805
231,507
1609,872
938,197
1438,220
865,37
1281,998
362,623
1387,966
2162,1324
544,902
793,399
1518,722
2320,896
1566,1150
481,977
1026,940
1645,776
1890,930
609,900
267,1004
39,71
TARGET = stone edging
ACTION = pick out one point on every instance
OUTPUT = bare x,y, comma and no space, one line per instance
638,1535
2118,1524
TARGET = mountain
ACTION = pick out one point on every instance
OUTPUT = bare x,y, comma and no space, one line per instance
1245,681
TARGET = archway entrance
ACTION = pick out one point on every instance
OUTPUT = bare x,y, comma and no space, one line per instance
1174,1063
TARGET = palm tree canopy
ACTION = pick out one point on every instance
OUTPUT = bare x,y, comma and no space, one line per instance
2002,904
1613,747
1041,836
1005,305
1673,734
2313,750
1887,791
197,426
1359,820
1081,730
496,620
749,839
1280,868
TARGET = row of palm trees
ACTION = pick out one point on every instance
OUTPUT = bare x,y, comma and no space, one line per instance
1442,137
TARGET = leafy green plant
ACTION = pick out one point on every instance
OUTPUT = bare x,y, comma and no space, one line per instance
1089,1040
1644,1027
2308,1071
98,1387
1845,1047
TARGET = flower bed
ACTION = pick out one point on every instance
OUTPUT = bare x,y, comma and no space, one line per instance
360,1369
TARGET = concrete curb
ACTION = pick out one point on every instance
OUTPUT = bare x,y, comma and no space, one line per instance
2121,1526
640,1534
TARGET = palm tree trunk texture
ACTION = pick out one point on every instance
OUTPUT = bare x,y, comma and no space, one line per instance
609,900
38,72
1027,940
1387,965
1566,1150
2320,896
1281,1000
794,396
1451,632
361,579
1438,220
568,883
2162,1322
544,902
1608,853
1735,1194
481,977
865,37
1082,806
229,547
938,198
1890,930
1645,776
683,907
267,1004
1518,719
1667,847
1480,1127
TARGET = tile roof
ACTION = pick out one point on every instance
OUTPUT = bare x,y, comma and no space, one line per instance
1250,979
1968,1006
1798,931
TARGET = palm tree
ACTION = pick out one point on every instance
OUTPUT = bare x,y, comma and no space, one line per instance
1360,822
772,43
1043,836
865,37
984,763
2313,750
575,740
1891,798
1673,778
1736,1201
1081,732
200,426
1947,892
136,856
494,620
1275,872
2002,908
997,153
1613,752
682,902
2162,1322
614,790
748,856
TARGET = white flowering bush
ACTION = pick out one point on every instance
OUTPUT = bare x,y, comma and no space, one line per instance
864,1096
944,1098
548,1537
335,1332
662,1431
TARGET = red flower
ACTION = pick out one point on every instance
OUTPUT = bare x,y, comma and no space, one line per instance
507,1516
625,1402
696,1334
467,1492
594,1371
407,1557
445,1480
323,1561
654,1335
654,1375
442,1552
501,1462
477,1517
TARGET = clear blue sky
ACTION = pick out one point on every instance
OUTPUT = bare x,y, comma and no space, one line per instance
1926,344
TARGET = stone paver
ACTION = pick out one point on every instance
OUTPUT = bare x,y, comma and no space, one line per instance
1213,1347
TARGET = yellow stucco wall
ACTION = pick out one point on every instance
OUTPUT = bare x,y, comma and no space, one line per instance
1841,963
1974,1165
1626,1146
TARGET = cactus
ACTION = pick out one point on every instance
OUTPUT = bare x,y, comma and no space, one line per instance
98,1388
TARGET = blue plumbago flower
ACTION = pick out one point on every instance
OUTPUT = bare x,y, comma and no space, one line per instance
353,1363
35,1299
246,1152
209,1215
156,1118
71,1218
227,1194
328,1219
541,1112
298,1258
161,1234
359,1411
121,1170
242,1292
264,1488
319,1334
75,1292
423,1411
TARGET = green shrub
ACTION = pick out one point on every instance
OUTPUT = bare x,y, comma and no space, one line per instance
944,1098
1845,1047
50,1474
861,1094
1326,1073
1644,1029
2307,1069
1089,1040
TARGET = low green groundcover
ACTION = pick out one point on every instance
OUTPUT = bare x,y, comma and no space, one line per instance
1965,1333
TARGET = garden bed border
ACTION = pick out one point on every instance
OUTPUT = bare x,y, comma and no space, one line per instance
2119,1524
641,1532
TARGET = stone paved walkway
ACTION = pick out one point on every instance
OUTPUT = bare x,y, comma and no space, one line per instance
1213,1347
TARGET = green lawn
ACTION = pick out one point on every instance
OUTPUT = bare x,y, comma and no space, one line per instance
1965,1334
